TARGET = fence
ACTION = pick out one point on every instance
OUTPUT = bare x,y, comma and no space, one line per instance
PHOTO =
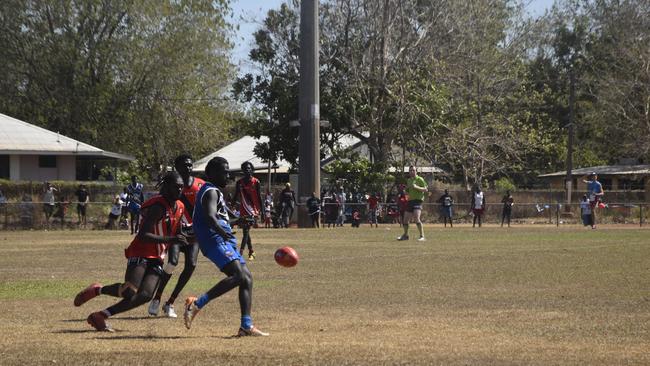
30,215
521,213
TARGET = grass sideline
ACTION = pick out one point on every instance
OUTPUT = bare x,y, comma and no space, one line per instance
490,296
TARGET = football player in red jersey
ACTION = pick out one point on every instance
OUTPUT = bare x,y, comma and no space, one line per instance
191,185
247,193
160,226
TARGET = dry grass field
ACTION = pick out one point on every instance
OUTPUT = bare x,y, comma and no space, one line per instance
520,296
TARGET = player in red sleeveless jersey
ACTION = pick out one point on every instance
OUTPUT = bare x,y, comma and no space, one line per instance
247,193
191,185
160,226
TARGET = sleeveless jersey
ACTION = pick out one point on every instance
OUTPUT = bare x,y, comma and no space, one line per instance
135,192
249,199
202,229
169,225
188,197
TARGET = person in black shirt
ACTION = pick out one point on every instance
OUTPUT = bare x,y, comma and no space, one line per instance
313,205
446,202
82,201
288,200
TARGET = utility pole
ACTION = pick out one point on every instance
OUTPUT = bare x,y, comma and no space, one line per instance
308,109
569,153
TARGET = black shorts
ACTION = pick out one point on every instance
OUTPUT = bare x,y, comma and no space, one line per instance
81,209
414,205
152,265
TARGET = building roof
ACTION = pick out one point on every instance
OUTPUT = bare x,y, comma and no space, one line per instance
604,170
21,138
240,151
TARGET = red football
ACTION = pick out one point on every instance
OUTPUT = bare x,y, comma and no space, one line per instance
286,257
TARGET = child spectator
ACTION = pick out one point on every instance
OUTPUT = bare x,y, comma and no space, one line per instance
586,212
356,218
116,212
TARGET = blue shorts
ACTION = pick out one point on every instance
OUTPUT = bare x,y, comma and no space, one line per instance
219,251
447,211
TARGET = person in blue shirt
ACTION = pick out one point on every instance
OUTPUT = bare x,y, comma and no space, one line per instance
595,194
213,232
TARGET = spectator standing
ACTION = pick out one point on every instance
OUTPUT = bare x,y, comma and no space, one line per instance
313,206
49,202
288,201
478,205
585,211
267,214
508,201
402,204
135,197
331,207
446,207
340,197
373,203
595,194
82,202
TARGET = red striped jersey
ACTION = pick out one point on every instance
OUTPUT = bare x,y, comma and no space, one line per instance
188,197
168,225
249,199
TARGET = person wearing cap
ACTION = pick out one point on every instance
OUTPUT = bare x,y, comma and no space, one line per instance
595,194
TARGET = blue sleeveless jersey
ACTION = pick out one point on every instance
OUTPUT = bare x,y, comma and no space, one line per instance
213,245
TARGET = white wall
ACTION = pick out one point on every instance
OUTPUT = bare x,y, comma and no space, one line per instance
29,169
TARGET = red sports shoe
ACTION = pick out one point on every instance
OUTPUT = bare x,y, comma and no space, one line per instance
87,294
98,321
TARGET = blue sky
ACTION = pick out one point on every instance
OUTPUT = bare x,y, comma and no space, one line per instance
250,13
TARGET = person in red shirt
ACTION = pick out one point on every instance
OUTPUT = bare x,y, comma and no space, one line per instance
373,202
160,226
191,185
249,199
402,203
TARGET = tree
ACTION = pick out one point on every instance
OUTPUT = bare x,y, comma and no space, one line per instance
146,77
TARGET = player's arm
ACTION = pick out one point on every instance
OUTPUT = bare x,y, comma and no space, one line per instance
237,192
259,196
210,202
153,215
420,188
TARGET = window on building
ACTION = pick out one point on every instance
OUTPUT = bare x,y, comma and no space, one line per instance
4,167
606,183
47,161
631,184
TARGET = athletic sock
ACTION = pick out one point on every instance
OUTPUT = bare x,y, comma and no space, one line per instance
420,229
406,229
202,301
246,322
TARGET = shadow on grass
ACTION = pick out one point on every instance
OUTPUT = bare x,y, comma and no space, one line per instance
115,318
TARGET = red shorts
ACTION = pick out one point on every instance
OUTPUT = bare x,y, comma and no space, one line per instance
477,211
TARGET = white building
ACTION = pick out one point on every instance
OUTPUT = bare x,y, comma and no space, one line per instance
29,152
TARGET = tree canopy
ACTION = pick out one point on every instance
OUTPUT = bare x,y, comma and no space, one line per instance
147,78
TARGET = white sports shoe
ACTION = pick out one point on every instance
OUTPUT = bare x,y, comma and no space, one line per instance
153,307
422,239
168,310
